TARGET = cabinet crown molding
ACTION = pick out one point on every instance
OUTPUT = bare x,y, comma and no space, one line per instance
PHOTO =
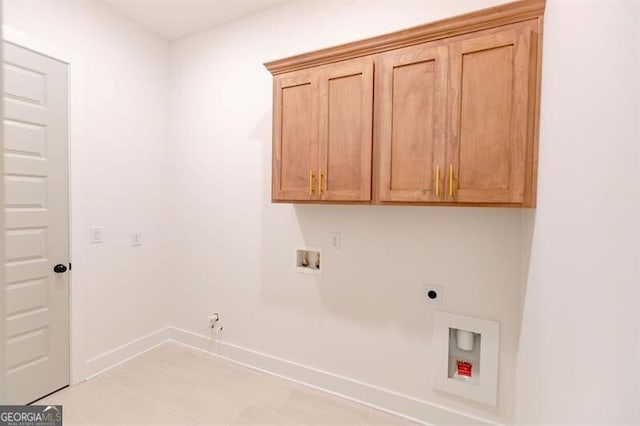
509,13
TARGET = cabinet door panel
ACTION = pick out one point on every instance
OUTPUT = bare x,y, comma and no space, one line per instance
411,134
295,135
490,81
346,102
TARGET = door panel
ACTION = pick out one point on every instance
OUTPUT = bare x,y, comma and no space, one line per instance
24,138
25,84
25,244
28,296
489,116
346,116
295,136
412,86
36,322
24,191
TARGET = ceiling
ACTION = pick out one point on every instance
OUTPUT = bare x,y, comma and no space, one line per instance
174,19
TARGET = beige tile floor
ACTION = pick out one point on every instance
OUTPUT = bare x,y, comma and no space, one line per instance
173,384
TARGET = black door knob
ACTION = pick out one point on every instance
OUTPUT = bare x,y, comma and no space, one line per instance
59,268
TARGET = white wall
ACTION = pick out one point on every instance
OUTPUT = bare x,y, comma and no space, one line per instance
364,317
577,362
119,104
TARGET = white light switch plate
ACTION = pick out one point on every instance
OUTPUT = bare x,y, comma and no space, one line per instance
95,234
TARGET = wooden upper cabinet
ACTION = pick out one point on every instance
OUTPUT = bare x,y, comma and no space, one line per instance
322,133
411,91
444,113
346,116
491,89
295,136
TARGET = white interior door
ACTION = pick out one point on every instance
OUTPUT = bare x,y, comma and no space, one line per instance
36,299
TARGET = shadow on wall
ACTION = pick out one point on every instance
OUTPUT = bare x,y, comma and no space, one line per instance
528,227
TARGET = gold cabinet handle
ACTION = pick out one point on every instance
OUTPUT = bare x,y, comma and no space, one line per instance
310,182
437,181
450,180
320,177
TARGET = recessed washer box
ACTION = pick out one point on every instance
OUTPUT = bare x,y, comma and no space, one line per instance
308,260
465,359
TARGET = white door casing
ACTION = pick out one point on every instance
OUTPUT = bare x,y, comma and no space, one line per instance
36,322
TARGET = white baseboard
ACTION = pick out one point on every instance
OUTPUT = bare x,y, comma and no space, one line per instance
382,399
117,356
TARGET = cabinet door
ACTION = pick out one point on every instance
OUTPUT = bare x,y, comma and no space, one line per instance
295,136
490,94
411,87
346,116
